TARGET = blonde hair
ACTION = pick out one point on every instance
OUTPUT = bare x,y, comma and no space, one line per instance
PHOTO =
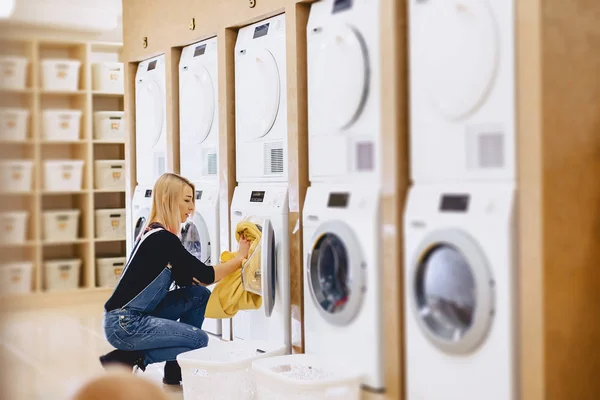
166,196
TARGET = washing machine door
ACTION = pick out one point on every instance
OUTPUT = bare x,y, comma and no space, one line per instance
140,222
338,75
196,238
452,291
198,104
149,111
258,89
336,272
459,53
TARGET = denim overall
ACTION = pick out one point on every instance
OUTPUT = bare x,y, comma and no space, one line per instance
148,323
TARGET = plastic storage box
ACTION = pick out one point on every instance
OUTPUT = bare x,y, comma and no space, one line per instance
60,75
13,72
110,270
109,174
305,377
13,227
63,175
109,125
224,370
61,125
16,175
14,123
62,274
61,225
108,77
16,277
110,223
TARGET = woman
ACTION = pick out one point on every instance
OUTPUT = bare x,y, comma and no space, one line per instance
141,315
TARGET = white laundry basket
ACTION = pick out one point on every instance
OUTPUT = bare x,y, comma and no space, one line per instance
16,176
13,227
16,277
109,174
61,125
110,270
224,371
14,123
61,225
110,223
108,77
13,72
60,75
109,125
63,175
62,274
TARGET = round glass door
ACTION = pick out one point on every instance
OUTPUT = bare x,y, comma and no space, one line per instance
139,224
149,111
196,239
459,54
198,105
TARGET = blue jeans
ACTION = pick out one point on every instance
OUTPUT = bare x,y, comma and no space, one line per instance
149,322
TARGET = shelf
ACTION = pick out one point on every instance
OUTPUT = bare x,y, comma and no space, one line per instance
101,240
64,141
109,190
53,193
107,94
63,92
104,141
31,193
17,91
29,243
64,242
27,142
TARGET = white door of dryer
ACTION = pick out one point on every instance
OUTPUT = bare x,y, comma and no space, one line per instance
139,222
149,123
335,272
197,104
452,291
458,49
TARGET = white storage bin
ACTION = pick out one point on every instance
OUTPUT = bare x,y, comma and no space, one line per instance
110,270
224,371
61,125
13,227
110,223
16,277
16,175
109,174
108,77
109,125
63,175
13,72
61,225
14,123
60,75
62,274
305,377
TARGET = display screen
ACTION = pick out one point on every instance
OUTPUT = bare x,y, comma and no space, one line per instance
198,194
148,193
454,202
261,31
338,200
341,5
151,65
257,196
198,51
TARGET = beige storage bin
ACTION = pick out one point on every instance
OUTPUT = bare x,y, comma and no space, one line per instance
109,270
109,125
110,223
16,176
63,175
62,274
13,72
108,77
61,225
61,125
109,174
60,75
14,123
13,227
16,277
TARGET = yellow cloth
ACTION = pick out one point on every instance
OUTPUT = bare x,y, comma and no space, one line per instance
229,295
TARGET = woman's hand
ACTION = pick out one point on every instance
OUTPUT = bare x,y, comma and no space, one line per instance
244,248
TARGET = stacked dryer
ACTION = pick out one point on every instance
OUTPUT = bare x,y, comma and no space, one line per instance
262,174
341,215
460,259
199,142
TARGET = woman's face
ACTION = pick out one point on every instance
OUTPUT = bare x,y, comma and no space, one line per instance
186,205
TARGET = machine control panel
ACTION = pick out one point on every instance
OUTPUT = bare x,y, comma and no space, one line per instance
148,193
338,200
260,31
341,5
199,50
454,202
198,194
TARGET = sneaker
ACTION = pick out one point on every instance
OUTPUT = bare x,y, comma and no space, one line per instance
172,373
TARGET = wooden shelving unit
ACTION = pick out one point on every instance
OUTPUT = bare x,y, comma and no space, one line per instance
86,247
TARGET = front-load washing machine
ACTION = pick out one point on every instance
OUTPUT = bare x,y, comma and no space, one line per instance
150,120
261,102
462,90
199,111
342,277
141,205
459,283
266,205
344,105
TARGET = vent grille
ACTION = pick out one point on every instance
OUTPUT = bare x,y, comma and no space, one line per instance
210,164
485,148
273,158
365,156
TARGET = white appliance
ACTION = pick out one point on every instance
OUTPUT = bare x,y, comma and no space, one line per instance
150,120
342,277
266,204
344,105
261,102
460,305
199,111
462,90
141,205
